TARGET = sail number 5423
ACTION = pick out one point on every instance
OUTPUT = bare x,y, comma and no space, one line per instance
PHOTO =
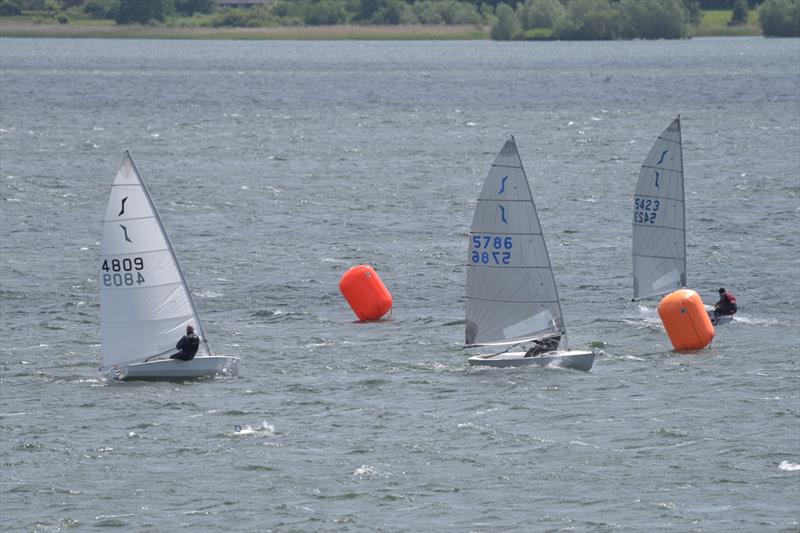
124,272
645,210
491,249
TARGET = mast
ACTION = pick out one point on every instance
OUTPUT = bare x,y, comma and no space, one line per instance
683,198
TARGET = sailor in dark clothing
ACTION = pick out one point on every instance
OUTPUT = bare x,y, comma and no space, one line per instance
188,345
726,304
542,346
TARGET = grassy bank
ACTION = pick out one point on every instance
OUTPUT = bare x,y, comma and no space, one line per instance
14,28
715,24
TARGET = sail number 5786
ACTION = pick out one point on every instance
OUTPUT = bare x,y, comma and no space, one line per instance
491,249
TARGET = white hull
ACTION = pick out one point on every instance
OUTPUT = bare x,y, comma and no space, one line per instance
720,320
168,369
573,359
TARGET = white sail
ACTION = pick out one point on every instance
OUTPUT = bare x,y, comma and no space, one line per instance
659,222
511,291
144,302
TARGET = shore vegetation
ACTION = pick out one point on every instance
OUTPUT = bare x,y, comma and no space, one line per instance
501,20
780,18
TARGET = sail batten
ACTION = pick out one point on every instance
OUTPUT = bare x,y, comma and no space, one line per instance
509,267
510,342
676,228
659,221
512,301
145,303
130,219
508,201
663,257
511,291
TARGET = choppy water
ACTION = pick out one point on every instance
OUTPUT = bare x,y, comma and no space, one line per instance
278,165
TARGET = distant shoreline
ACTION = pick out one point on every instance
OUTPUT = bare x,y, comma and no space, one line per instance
713,25
310,33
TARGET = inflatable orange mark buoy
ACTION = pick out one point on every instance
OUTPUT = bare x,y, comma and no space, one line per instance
365,292
685,318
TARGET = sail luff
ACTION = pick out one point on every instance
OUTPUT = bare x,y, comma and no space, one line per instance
171,249
683,198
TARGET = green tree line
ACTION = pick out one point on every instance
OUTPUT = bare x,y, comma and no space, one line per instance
508,19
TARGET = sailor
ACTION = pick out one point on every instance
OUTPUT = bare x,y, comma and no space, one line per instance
726,304
188,345
544,345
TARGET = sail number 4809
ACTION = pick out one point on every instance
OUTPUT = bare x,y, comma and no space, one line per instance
491,249
125,272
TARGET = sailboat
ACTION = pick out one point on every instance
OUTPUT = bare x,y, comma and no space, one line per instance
145,304
659,221
512,299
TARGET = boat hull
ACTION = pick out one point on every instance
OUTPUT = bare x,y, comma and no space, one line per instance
175,369
573,359
720,320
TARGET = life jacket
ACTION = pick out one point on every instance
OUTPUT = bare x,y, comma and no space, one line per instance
730,302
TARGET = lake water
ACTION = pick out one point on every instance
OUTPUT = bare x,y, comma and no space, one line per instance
278,165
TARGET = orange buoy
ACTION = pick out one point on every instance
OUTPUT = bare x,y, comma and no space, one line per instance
685,318
365,292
